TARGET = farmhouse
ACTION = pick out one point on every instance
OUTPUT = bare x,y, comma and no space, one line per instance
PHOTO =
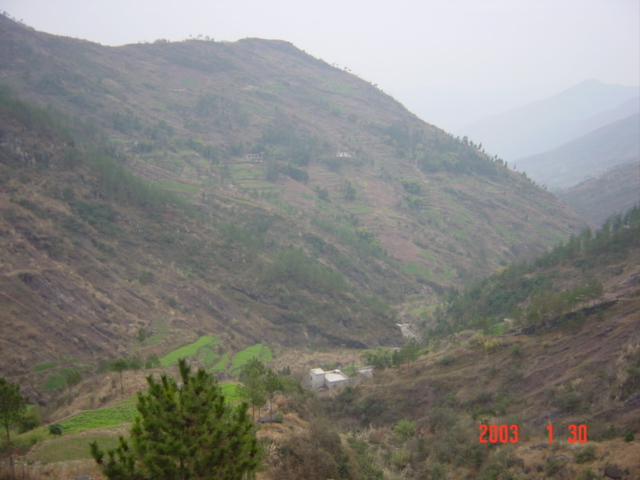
320,380
254,157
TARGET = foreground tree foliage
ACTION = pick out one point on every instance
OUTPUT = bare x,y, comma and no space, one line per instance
12,408
184,431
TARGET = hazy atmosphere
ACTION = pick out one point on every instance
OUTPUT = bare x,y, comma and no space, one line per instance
449,62
287,240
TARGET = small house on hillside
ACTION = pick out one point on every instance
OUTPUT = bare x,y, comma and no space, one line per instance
344,155
320,380
254,157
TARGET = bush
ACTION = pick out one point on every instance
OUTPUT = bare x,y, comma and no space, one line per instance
405,429
447,360
55,429
586,454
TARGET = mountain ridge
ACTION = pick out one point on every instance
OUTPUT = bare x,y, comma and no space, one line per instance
304,246
549,122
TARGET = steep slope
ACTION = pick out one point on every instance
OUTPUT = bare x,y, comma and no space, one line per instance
128,201
614,191
565,357
587,156
549,123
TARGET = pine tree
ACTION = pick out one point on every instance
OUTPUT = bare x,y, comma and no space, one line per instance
184,431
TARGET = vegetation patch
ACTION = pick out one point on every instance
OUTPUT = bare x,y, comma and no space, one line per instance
105,417
242,357
188,350
230,392
71,448
207,356
221,365
54,381
44,366
178,187
416,268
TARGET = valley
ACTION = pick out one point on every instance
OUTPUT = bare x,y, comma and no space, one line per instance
233,201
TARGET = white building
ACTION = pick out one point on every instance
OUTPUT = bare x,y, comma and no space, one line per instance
319,379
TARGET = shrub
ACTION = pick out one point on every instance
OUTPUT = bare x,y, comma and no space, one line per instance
586,454
447,360
55,429
405,429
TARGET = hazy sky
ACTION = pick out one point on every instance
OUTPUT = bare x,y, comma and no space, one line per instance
425,53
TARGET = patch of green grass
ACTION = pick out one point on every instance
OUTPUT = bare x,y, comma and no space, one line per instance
55,381
207,356
153,339
419,311
243,356
105,417
230,392
266,355
416,268
241,201
71,448
188,350
127,401
307,196
360,210
221,365
44,366
178,187
497,329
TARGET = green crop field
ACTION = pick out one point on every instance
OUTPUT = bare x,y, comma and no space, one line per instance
44,366
230,392
221,365
207,356
188,350
71,447
242,357
54,381
174,186
105,417
416,268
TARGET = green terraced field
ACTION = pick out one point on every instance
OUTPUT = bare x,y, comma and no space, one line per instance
188,350
242,357
44,366
221,365
105,417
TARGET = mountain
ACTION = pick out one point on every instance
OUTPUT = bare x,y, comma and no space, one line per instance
223,201
614,191
551,122
129,202
589,155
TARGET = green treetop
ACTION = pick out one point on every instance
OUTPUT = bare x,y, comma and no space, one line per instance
184,431
12,407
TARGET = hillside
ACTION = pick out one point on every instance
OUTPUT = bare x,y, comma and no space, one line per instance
554,121
532,348
128,202
587,156
613,191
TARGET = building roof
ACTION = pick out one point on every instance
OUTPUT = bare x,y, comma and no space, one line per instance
335,376
317,371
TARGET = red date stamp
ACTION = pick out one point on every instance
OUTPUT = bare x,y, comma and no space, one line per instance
509,433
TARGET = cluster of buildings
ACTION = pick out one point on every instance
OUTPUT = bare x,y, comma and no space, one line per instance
319,380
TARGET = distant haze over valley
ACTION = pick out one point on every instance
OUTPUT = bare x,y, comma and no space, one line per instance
545,124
